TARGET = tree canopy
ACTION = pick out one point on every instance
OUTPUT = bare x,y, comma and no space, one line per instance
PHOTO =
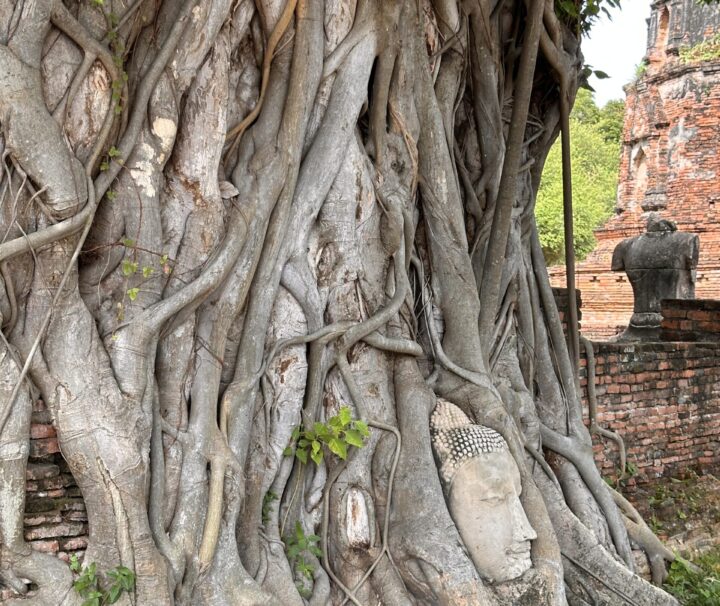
595,155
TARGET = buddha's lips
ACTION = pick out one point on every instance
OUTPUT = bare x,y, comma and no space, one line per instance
519,553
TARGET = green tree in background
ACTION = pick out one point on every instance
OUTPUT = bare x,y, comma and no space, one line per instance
595,138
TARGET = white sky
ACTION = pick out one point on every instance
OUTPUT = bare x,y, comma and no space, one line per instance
616,46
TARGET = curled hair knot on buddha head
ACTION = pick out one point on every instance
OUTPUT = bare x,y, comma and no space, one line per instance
456,439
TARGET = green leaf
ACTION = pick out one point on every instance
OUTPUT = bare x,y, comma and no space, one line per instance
82,584
601,75
147,271
345,415
568,7
129,267
338,447
362,427
113,595
302,455
110,195
316,446
133,293
127,577
288,452
307,570
74,563
104,165
296,433
317,457
354,438
114,152
128,242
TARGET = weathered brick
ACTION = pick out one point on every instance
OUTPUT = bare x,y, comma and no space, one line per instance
38,519
45,546
64,529
74,544
44,446
41,471
42,430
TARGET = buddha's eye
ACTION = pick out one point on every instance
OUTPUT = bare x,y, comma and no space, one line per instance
495,501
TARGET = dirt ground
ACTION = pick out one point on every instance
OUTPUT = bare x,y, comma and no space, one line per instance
684,512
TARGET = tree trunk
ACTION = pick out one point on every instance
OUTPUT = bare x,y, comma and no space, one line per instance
232,228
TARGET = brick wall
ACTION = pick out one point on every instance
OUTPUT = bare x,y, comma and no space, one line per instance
664,400
55,518
690,320
561,300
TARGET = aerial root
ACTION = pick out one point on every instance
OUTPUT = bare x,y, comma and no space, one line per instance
236,132
595,428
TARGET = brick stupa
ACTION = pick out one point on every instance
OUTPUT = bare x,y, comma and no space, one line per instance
670,161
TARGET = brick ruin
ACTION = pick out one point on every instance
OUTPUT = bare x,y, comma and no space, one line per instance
662,397
670,162
55,518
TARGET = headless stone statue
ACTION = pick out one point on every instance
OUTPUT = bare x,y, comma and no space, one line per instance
482,484
660,264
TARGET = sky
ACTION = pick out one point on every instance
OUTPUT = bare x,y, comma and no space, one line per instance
616,46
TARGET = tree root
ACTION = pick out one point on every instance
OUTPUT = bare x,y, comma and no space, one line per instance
592,406
645,538
236,132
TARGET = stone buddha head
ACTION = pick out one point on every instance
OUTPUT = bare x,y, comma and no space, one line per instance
482,484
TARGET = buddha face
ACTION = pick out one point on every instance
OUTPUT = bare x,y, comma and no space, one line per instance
484,500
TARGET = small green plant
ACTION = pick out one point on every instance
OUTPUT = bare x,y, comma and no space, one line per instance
268,499
696,585
656,525
298,546
707,50
340,432
131,267
640,69
631,470
87,584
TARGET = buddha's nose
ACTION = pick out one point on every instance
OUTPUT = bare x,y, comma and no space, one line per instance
522,530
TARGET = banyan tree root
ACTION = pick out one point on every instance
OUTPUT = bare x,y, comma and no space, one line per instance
595,428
